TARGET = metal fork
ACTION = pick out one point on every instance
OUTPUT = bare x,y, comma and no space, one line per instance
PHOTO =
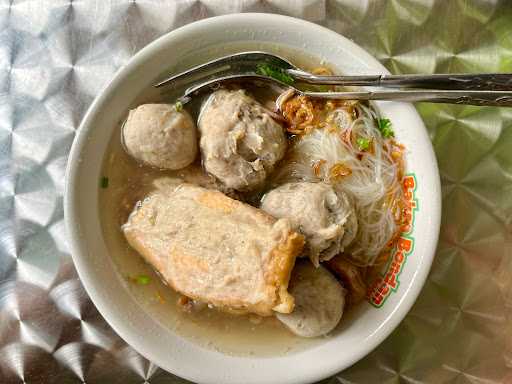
488,89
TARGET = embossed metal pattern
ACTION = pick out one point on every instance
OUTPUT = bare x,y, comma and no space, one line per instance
56,55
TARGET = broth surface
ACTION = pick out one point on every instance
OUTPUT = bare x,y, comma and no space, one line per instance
129,182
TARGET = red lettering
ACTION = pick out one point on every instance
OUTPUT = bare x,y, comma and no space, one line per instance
404,244
377,293
395,267
405,228
374,286
399,257
382,287
377,300
409,182
391,279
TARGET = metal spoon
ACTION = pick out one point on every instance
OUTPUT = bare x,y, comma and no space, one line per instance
474,89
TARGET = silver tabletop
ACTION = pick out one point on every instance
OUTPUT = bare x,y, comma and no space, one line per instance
56,55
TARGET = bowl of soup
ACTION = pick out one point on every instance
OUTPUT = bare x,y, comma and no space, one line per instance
251,235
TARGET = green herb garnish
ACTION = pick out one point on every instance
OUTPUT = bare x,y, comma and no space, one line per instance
142,280
384,126
104,182
274,72
363,143
179,106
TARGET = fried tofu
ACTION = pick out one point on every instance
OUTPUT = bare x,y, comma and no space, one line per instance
215,249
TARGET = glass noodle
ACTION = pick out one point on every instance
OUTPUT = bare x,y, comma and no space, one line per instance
343,146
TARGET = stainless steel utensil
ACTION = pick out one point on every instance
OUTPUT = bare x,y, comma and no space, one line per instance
470,97
489,89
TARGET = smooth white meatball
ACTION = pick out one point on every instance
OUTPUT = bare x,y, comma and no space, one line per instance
319,301
240,143
324,216
160,136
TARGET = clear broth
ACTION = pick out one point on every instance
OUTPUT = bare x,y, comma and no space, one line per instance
128,183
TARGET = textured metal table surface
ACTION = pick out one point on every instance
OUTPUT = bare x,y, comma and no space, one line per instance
56,55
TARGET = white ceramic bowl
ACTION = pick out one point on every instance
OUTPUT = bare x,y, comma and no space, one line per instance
372,324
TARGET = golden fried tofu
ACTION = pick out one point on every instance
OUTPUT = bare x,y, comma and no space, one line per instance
215,249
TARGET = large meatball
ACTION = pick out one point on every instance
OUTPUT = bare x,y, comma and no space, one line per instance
240,142
326,217
160,136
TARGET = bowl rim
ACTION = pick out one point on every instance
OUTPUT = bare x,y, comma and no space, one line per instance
70,210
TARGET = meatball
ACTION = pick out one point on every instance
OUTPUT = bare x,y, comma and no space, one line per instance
325,216
240,143
160,136
319,301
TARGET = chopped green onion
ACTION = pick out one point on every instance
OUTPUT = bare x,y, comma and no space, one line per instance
363,143
384,126
104,182
178,106
142,280
274,72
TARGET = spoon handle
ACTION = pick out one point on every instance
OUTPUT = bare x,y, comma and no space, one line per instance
482,98
479,81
